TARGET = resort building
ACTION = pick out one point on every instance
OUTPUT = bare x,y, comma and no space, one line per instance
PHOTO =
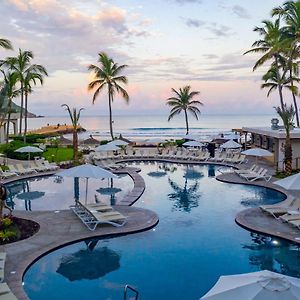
273,139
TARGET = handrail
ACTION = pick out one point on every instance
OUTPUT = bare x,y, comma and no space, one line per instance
128,287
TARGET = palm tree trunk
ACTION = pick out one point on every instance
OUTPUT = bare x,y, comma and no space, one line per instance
279,83
186,122
8,120
25,117
110,113
288,154
21,112
75,144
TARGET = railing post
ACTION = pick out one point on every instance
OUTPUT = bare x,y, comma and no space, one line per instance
128,287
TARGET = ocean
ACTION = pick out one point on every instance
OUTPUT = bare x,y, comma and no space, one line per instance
148,126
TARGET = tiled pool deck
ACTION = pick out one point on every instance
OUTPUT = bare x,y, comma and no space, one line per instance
58,229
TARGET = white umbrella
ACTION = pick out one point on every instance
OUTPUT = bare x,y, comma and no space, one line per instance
290,182
257,152
231,145
87,171
155,141
107,147
29,149
191,136
118,143
263,285
193,144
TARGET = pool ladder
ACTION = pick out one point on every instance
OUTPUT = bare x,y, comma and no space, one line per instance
128,287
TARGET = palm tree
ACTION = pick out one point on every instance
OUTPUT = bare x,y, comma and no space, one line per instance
271,45
271,81
108,74
74,116
33,74
9,85
287,115
6,44
290,12
183,101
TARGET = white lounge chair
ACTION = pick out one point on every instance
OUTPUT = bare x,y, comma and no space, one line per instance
24,170
6,293
51,166
7,174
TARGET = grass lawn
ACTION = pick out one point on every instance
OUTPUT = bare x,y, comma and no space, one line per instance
58,154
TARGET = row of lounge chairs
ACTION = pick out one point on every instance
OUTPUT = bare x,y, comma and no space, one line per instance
5,292
287,211
181,154
254,173
98,213
31,168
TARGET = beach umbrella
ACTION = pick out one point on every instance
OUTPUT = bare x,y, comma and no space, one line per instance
107,147
157,174
29,149
191,173
193,144
155,141
257,152
28,196
119,143
87,264
231,145
90,141
191,136
64,141
263,285
87,171
290,182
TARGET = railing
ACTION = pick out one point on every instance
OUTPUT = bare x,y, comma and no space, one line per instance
128,287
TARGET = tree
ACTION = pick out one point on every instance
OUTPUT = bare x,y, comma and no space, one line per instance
183,101
10,90
108,74
287,115
74,116
6,44
290,12
33,75
271,44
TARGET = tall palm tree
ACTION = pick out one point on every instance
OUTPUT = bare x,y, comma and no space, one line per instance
290,12
6,44
11,91
183,101
108,74
287,115
271,44
74,116
271,81
34,74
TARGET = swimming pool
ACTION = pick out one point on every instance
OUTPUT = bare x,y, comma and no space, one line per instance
55,192
195,242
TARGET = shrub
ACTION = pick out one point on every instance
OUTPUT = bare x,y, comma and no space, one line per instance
30,138
6,222
9,150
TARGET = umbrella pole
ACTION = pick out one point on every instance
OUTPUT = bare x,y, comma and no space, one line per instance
86,189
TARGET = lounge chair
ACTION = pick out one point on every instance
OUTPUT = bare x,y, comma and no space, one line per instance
279,210
51,166
246,171
295,223
25,170
92,217
6,293
7,174
289,216
2,264
251,175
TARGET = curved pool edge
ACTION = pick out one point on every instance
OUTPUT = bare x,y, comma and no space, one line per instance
58,230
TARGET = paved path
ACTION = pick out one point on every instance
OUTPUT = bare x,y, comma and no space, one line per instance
59,229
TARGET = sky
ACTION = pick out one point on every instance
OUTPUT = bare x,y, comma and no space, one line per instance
165,43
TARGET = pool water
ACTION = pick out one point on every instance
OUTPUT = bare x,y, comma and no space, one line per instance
55,192
195,242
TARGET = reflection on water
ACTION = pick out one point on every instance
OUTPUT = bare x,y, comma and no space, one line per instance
274,254
185,198
90,263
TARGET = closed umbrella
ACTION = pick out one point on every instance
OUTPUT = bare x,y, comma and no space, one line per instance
257,152
231,145
87,171
263,285
290,182
29,149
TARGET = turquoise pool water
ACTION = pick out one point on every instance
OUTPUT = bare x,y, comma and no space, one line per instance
55,193
195,242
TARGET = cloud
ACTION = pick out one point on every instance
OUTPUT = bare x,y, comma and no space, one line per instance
194,22
219,30
210,56
186,1
240,12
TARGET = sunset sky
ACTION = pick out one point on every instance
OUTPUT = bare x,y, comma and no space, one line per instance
165,43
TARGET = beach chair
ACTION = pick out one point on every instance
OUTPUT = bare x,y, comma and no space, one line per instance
250,175
262,175
6,293
295,223
26,170
253,168
290,216
51,166
277,210
7,174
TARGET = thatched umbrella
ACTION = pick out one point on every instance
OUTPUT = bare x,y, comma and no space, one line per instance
90,141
